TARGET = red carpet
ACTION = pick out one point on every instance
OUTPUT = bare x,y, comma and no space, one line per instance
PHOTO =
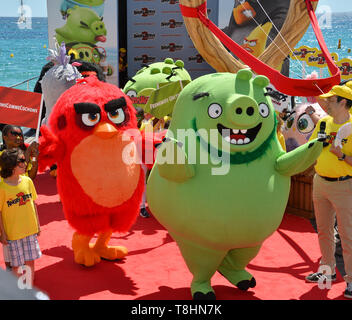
154,268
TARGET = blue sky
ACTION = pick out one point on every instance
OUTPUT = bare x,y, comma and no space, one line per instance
338,5
8,8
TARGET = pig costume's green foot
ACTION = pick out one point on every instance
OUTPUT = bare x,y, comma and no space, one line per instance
243,280
203,263
202,290
232,267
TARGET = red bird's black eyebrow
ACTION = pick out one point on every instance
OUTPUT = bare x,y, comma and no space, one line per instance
86,107
115,104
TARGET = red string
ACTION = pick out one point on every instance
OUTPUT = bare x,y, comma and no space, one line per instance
293,87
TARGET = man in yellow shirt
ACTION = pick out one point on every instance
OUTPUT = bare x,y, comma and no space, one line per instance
332,185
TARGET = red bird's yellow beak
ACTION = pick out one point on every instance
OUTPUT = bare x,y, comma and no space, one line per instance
105,130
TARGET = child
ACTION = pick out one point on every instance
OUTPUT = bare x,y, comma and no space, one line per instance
19,223
12,137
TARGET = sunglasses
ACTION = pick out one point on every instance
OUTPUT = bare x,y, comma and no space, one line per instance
16,133
21,160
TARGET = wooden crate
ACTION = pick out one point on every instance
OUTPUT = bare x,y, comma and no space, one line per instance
300,201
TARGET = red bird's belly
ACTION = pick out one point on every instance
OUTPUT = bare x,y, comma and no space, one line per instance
98,166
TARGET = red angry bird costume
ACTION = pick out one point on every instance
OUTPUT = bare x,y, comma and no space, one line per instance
100,192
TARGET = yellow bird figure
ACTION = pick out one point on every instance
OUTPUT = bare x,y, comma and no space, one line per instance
255,42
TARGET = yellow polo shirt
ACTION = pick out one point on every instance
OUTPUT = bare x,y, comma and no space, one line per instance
328,164
17,209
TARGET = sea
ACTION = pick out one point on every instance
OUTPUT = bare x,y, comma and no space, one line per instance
23,52
337,27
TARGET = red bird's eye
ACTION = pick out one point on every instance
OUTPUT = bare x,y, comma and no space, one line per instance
90,119
117,116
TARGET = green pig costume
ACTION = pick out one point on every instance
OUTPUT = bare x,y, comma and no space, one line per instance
220,218
156,73
82,25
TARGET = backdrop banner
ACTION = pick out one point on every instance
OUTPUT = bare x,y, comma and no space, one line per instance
90,32
156,31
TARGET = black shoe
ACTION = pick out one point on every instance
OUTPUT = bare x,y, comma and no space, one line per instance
144,213
348,291
202,296
318,276
244,285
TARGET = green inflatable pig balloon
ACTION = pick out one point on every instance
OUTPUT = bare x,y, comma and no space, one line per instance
82,25
222,188
154,74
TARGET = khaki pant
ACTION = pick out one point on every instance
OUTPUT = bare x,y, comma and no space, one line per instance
330,197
